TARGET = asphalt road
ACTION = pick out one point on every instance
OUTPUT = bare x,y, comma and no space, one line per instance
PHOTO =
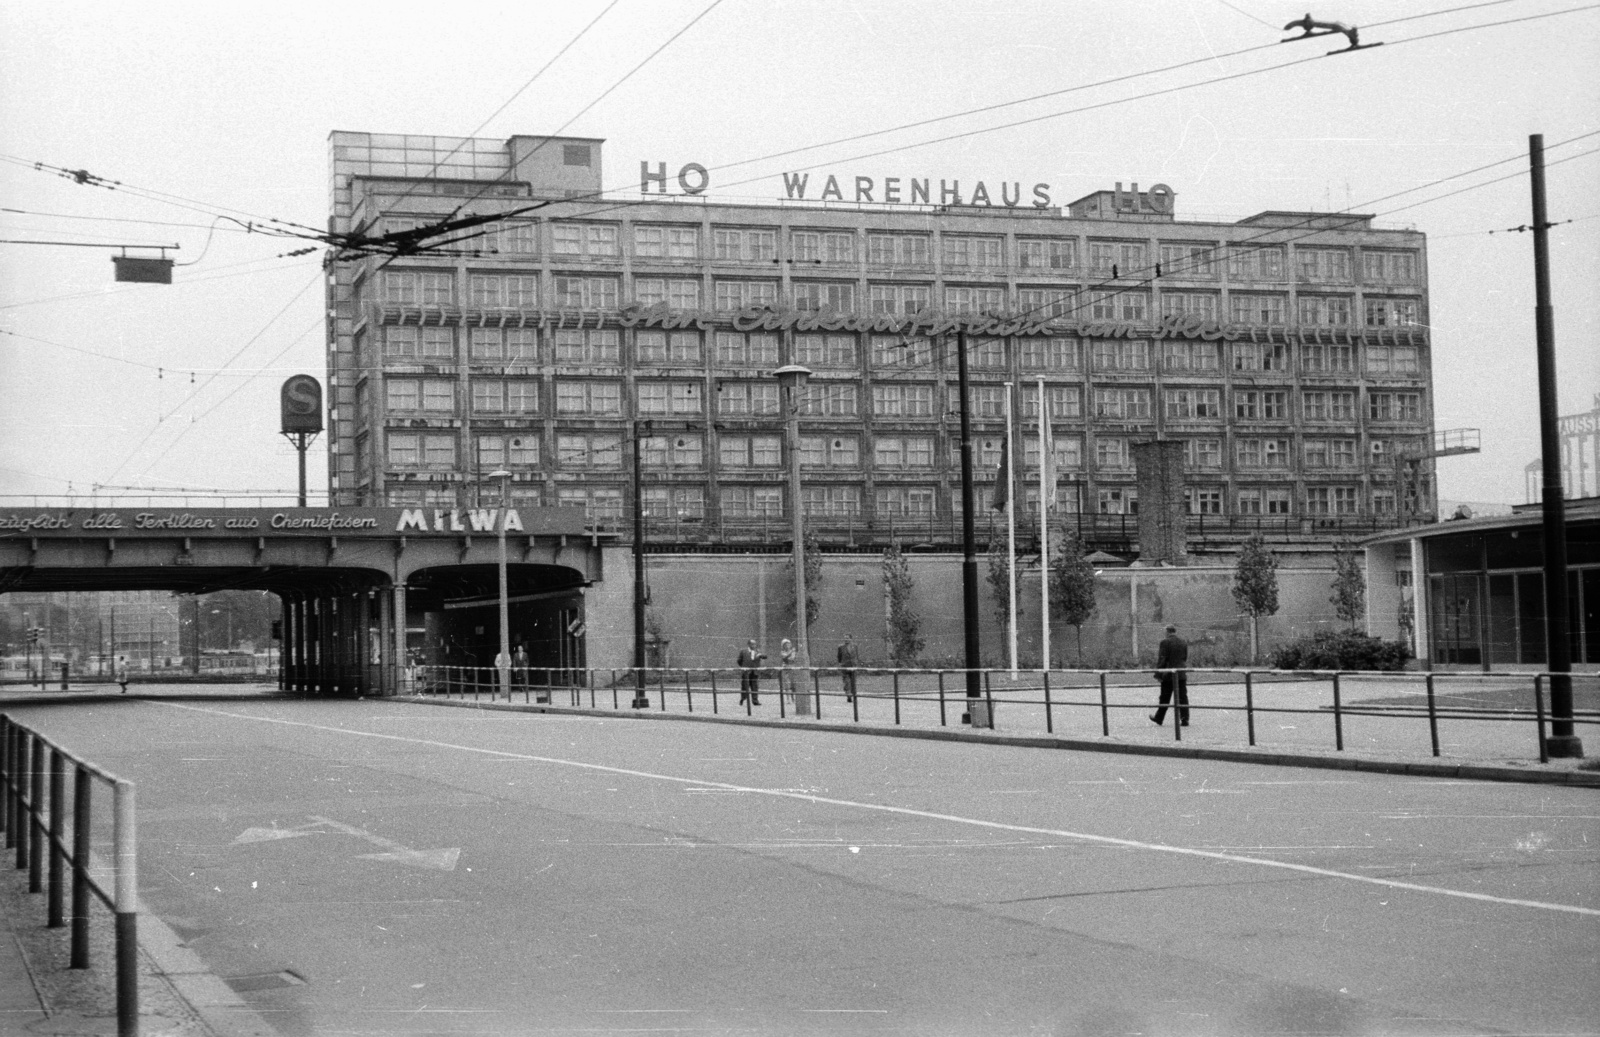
376,868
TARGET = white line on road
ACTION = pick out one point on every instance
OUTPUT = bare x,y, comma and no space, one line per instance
1104,840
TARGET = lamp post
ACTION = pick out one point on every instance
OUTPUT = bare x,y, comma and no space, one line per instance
640,699
791,381
502,661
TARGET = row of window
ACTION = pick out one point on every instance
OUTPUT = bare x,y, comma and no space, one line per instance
688,503
591,292
895,400
1243,261
590,451
603,346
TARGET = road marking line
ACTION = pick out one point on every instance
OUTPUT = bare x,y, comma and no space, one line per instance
1104,840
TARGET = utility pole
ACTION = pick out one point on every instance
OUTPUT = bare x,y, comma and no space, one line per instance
969,550
640,699
1563,741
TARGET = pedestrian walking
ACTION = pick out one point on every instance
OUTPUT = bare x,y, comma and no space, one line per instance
1170,659
119,673
749,676
849,658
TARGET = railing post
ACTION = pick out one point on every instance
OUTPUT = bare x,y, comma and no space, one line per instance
897,698
1249,708
20,775
1177,714
36,819
1105,709
58,825
1049,728
713,692
1338,716
1538,709
127,899
816,690
81,793
1433,716
781,714
941,700
6,730
688,691
614,704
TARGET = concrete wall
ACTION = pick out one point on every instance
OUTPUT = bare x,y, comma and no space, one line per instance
707,605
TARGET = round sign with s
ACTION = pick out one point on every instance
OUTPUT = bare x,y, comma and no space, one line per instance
301,404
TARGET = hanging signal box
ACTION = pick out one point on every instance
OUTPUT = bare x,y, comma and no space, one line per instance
143,271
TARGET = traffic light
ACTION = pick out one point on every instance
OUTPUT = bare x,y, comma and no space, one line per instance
34,634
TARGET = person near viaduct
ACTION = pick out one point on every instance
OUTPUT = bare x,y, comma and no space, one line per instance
849,658
1171,657
749,674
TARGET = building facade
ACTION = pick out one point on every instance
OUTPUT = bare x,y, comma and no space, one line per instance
1288,352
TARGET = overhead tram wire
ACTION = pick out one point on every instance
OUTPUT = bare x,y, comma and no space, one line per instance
109,292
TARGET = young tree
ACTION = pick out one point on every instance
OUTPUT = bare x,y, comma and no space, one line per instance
813,581
1349,596
1072,587
1000,583
905,625
1255,586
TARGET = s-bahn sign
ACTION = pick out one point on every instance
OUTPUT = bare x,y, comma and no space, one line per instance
230,522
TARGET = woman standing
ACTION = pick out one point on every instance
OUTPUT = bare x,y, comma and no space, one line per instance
786,674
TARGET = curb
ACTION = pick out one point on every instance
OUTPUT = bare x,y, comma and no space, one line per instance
1470,771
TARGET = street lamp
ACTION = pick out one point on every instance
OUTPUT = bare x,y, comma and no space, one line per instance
502,661
791,381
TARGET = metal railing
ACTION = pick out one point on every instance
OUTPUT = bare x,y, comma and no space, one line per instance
40,821
1411,705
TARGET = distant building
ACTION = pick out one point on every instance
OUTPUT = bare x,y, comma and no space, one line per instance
1580,458
1288,352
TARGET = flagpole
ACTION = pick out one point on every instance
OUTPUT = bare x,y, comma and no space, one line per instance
1047,488
1011,534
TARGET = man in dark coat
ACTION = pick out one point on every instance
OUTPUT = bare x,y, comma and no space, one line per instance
749,678
1171,657
849,658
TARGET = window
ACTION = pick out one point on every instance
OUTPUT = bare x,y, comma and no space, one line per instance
747,398
738,349
486,344
899,250
1064,401
1391,313
1393,360
1122,404
586,293
1255,309
1193,356
984,352
984,401
668,347
744,245
675,293
1117,258
1112,452
503,291
1067,452
816,295
1388,267
1331,500
599,503
669,398
1119,305
750,451
905,502
898,298
575,154
1252,405
1253,452
751,502
1202,453
1383,503
1051,354
1328,311
890,453
962,251
584,239
522,396
1315,359
593,398
1047,253
1255,263
594,346
503,451
815,246
896,351
1262,502
960,299
838,351
583,450
1118,501
829,399
831,451
1192,404
1189,260
514,237
1194,305
1322,264
439,451
683,503
838,501
666,242
1394,406
673,451
405,450
738,295
399,288
1316,453
1041,303
1260,356
402,394
438,344
400,343
902,401
1114,355
429,395
1203,500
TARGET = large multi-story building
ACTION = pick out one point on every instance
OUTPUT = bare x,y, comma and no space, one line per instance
1288,352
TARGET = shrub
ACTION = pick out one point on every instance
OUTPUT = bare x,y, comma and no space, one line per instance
1341,650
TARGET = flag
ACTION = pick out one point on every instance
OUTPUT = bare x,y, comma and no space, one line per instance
1047,455
1002,483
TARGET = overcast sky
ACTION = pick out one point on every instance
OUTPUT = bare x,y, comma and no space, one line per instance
205,108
